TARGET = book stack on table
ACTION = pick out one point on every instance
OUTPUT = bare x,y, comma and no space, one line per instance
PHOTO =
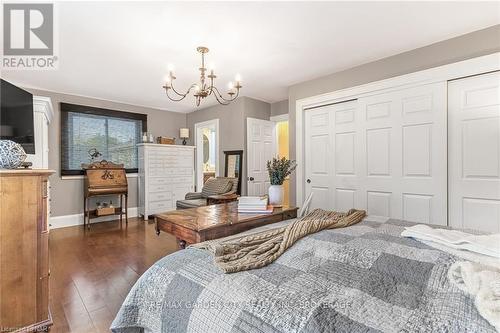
254,205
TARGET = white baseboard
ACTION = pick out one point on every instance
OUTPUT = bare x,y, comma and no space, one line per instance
77,219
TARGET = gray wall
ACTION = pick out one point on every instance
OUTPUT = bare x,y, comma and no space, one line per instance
254,108
279,108
464,47
232,125
67,194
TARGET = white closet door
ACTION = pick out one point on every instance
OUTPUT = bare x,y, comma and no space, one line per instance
474,152
319,157
261,141
385,153
403,140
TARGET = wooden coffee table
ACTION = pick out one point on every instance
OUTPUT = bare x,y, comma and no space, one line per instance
195,225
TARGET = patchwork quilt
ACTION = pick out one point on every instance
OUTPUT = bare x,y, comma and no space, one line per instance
363,278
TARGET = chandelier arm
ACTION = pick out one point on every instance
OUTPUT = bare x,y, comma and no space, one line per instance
176,99
226,99
175,91
222,102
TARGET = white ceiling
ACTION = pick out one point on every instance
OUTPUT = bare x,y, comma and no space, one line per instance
119,51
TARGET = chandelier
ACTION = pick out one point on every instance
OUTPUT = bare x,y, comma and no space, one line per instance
205,87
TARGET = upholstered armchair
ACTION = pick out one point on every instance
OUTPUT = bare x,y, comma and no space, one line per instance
213,186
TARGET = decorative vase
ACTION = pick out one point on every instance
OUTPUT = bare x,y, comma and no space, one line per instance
276,195
12,154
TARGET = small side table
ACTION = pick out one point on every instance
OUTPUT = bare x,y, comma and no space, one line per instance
221,198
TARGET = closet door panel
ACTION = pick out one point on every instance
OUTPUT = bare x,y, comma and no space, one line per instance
474,152
345,155
424,154
318,148
404,145
378,123
384,152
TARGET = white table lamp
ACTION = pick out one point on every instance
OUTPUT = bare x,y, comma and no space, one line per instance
184,134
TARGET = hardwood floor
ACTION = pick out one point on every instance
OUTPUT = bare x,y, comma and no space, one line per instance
92,271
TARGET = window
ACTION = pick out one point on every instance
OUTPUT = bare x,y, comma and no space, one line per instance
114,134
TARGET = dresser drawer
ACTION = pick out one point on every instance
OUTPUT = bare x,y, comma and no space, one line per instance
160,196
159,181
159,188
160,206
180,171
183,180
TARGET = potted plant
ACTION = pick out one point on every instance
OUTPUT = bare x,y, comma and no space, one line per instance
278,169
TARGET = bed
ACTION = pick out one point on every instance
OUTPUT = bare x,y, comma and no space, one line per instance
363,278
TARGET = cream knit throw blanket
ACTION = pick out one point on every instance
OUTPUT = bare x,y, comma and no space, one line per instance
260,249
483,283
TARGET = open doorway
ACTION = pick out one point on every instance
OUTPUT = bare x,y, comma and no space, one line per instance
207,148
282,145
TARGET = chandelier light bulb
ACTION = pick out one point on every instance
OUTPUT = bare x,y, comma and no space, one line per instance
211,66
237,78
171,69
167,81
230,86
196,88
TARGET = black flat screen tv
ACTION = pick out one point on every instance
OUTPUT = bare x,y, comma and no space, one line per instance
16,116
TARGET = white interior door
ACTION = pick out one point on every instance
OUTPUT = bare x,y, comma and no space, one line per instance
385,153
261,147
474,152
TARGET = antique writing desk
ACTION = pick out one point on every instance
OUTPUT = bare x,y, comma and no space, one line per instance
103,179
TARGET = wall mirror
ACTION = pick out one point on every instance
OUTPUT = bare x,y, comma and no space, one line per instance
233,165
206,149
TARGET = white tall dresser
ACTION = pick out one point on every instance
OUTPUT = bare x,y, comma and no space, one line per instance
166,174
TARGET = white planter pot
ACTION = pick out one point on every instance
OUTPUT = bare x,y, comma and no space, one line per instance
276,195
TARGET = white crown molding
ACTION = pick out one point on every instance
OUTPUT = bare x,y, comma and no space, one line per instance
474,66
63,221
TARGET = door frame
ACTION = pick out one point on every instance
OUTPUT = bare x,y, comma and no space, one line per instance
199,150
474,66
278,119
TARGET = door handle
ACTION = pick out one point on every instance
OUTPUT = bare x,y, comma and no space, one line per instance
251,179
308,181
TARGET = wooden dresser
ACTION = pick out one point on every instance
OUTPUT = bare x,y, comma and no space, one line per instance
24,250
